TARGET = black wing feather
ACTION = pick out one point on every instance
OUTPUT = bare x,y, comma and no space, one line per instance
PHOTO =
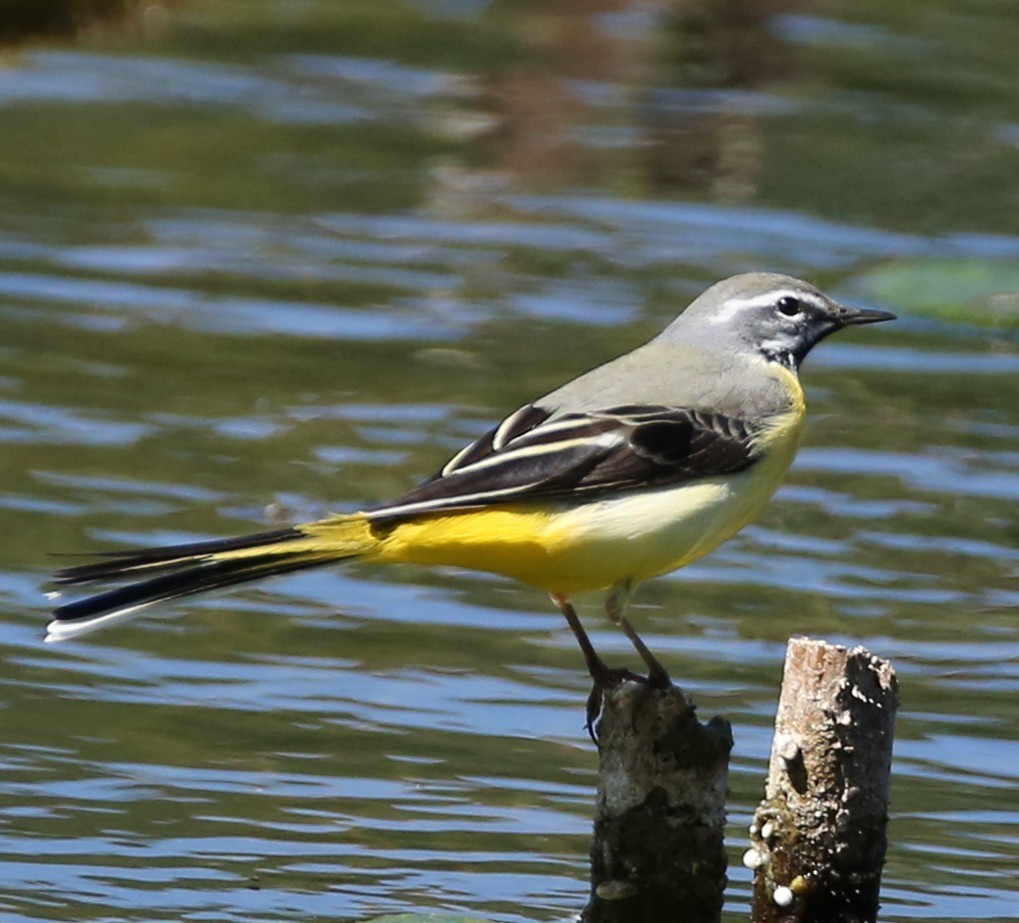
516,424
582,454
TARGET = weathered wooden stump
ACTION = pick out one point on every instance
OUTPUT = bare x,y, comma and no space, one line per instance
818,838
658,853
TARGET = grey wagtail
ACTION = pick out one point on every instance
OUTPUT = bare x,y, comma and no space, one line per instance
631,470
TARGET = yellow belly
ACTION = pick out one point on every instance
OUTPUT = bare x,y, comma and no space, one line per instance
598,544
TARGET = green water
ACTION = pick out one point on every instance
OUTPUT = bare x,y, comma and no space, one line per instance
263,260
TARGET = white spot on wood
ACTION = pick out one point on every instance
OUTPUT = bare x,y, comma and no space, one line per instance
783,896
786,747
753,859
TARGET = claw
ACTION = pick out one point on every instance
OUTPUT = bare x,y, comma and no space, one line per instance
606,678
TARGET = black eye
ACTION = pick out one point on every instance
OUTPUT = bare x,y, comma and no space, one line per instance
789,306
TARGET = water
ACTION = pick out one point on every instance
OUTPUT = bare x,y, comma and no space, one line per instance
268,260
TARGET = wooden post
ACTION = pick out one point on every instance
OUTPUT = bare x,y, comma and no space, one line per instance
658,852
818,837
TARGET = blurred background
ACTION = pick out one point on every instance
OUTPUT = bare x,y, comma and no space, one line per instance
262,259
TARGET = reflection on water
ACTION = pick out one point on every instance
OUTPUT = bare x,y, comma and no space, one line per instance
277,260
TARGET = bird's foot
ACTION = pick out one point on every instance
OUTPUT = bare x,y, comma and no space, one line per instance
605,678
657,676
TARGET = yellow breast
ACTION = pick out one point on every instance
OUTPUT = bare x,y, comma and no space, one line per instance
571,548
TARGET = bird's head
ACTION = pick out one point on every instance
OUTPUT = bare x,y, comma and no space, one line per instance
778,317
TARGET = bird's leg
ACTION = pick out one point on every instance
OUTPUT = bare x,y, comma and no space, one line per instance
657,676
595,665
603,676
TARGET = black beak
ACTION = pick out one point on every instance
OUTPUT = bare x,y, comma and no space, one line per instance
849,317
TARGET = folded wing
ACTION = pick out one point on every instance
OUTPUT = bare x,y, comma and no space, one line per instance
533,454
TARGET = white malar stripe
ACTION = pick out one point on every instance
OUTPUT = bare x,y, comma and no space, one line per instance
781,345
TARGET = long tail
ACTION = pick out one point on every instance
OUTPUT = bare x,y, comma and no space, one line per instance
169,572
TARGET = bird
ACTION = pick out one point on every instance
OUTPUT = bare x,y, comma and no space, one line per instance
629,471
